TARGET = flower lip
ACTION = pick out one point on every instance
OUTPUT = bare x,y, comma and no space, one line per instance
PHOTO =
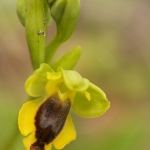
50,120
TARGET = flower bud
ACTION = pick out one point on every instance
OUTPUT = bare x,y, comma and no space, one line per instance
22,7
65,14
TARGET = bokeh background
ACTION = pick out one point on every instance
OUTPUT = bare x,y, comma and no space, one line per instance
115,38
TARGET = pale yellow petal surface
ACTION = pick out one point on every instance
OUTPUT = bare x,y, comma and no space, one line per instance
28,141
67,135
26,116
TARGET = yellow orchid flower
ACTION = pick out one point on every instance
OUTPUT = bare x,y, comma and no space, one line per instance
46,120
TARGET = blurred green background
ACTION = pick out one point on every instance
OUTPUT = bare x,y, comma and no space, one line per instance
115,38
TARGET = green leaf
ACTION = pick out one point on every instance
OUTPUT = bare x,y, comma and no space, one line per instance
97,106
68,60
35,31
65,13
74,81
35,84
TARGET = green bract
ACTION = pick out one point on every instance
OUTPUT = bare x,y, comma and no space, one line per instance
68,60
87,99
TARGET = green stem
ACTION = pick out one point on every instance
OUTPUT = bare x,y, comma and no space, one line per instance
51,49
35,31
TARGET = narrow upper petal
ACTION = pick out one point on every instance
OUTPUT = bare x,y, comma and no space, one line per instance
26,116
35,84
97,105
67,134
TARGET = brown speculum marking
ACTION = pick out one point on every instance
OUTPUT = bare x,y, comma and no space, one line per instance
49,121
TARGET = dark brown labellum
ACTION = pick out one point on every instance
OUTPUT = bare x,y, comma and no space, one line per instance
49,121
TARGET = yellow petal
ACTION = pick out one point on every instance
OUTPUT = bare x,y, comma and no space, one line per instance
48,147
28,141
26,116
67,134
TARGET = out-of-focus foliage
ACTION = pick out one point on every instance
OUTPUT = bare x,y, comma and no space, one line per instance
114,36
